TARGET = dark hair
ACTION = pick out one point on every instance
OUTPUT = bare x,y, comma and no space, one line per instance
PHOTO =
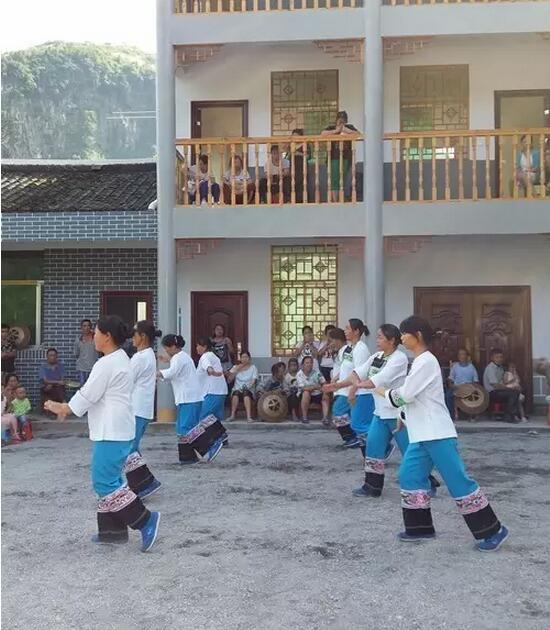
306,328
463,350
53,350
5,326
343,115
293,360
414,325
221,326
205,342
357,324
274,146
173,340
337,334
83,321
144,327
204,159
20,386
391,333
247,353
11,375
276,366
329,327
114,326
496,351
297,132
306,359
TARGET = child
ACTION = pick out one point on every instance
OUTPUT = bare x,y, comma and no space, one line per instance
20,407
511,381
9,421
291,388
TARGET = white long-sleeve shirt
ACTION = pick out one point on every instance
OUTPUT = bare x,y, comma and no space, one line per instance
210,384
107,398
343,367
184,379
361,353
426,414
144,375
384,371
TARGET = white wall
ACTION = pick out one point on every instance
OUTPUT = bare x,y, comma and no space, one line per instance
244,265
471,261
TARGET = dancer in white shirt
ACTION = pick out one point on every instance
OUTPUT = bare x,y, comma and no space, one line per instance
212,380
433,442
144,374
199,440
106,398
362,409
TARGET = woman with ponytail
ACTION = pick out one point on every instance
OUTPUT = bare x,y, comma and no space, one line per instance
188,398
214,385
144,373
107,399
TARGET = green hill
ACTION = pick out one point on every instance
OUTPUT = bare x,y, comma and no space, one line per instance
59,101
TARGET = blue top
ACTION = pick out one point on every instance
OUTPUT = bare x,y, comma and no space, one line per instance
463,373
55,372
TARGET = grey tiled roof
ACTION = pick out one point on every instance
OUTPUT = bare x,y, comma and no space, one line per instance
43,186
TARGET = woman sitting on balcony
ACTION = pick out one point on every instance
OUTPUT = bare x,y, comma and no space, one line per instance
276,168
340,128
238,179
201,177
527,165
300,163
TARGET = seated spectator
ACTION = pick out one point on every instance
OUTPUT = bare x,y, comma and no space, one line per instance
8,350
291,388
240,179
326,354
463,371
277,380
9,422
513,382
52,374
20,407
201,176
310,382
309,347
84,351
244,377
275,169
493,381
340,128
300,163
527,165
11,384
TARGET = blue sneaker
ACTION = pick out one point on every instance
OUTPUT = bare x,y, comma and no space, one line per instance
225,439
151,489
354,442
214,450
405,537
149,531
364,492
493,542
188,462
389,452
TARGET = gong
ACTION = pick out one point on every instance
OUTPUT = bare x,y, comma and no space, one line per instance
272,407
471,398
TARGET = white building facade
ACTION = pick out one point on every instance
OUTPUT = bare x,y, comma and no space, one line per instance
438,203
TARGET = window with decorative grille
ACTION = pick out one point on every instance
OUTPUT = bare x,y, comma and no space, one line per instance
304,291
305,100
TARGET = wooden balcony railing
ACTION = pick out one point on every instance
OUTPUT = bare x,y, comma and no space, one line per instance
411,3
255,6
472,165
273,170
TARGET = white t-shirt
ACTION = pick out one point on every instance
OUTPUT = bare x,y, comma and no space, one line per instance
275,169
426,414
210,384
343,368
107,398
184,379
384,371
327,355
144,374
361,353
244,378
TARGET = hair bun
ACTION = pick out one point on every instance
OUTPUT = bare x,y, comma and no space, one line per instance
158,333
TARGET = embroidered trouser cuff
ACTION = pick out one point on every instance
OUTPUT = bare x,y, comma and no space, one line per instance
137,473
478,514
200,439
374,475
118,511
343,427
417,514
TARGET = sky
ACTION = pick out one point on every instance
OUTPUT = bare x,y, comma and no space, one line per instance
26,23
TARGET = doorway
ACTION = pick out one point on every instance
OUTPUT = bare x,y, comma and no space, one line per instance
228,308
517,109
481,319
219,119
130,306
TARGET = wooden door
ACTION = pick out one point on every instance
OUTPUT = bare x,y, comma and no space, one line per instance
228,308
480,319
130,306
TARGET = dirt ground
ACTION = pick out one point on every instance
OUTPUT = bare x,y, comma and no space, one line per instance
269,537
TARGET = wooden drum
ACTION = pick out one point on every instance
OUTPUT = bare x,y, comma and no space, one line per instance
272,407
471,398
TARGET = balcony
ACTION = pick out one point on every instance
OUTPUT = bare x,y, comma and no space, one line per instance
195,7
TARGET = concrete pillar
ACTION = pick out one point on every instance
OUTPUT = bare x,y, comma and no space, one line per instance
166,193
373,85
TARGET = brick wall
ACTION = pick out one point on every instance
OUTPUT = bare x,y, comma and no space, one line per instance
73,279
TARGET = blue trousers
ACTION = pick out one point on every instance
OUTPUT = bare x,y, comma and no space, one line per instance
413,477
188,416
203,192
341,406
141,427
108,460
381,434
213,404
361,414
